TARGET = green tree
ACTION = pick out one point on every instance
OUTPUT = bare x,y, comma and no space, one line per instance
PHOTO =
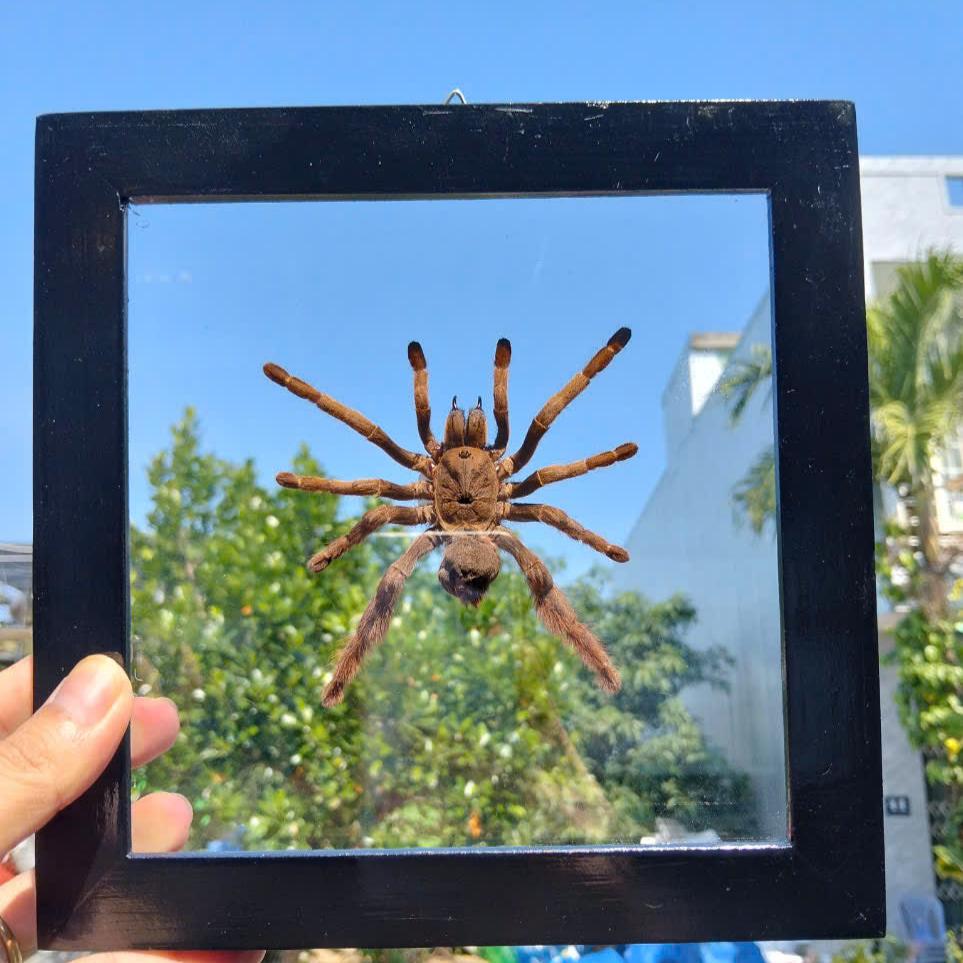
928,655
754,495
887,950
466,726
745,378
916,393
642,745
228,622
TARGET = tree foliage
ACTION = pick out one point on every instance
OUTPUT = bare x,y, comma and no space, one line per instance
754,495
890,949
465,727
928,655
916,368
744,378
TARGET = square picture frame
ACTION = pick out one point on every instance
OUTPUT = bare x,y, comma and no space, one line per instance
826,880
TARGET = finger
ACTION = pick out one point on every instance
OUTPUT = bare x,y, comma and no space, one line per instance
154,725
160,823
153,728
18,907
59,751
184,956
16,695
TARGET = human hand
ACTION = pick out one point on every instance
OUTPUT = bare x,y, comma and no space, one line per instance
48,758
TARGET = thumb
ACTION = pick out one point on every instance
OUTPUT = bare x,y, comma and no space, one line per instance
59,751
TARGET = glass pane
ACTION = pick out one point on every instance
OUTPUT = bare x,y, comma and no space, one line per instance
470,724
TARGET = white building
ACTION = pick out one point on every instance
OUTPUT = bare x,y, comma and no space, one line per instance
16,581
687,537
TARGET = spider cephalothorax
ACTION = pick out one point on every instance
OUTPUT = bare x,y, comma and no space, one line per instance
463,497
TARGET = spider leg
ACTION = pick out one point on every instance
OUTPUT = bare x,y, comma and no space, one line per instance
503,356
555,473
560,400
556,612
377,616
422,405
350,417
361,486
370,522
532,512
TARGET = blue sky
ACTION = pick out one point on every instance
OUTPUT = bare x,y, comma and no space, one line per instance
255,281
334,292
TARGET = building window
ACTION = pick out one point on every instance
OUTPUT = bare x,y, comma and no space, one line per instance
954,187
953,474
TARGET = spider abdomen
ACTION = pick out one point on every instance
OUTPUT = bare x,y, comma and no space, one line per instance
466,490
470,564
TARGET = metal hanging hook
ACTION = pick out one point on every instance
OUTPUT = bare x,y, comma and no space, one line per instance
455,93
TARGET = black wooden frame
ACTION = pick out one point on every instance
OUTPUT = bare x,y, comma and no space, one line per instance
827,881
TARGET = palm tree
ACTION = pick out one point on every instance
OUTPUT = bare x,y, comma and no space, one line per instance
915,339
745,378
916,396
754,495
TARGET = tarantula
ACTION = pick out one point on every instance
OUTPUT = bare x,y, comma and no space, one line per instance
465,497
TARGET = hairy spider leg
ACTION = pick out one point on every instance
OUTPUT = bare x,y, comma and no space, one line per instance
550,515
350,417
370,522
557,473
560,400
376,618
360,486
556,612
503,357
419,366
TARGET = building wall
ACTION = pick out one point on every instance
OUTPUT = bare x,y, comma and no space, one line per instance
946,482
909,867
688,540
690,384
906,210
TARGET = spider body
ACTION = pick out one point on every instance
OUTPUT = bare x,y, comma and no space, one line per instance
464,497
466,490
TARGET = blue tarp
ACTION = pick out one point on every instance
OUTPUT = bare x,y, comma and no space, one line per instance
644,953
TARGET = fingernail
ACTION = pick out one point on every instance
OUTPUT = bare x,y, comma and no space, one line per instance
91,689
